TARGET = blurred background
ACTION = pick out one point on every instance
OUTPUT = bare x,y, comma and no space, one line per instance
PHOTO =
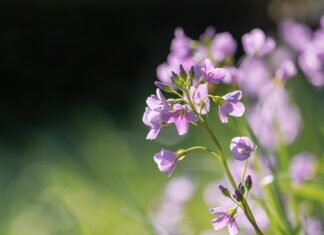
74,79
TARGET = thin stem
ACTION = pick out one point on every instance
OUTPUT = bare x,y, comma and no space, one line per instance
197,148
244,172
220,156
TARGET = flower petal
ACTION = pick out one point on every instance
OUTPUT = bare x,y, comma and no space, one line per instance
221,222
238,109
232,227
182,125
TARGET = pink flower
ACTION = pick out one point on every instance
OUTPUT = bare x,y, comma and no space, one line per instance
255,43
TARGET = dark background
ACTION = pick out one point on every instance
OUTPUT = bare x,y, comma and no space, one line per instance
59,56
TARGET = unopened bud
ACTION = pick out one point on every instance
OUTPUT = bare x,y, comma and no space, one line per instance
237,195
176,80
183,73
224,191
241,188
191,76
163,86
248,182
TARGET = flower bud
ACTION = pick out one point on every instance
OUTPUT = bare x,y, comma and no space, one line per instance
163,86
224,190
183,73
237,195
248,182
177,81
191,76
241,188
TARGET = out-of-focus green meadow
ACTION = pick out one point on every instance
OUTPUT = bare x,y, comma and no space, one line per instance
91,175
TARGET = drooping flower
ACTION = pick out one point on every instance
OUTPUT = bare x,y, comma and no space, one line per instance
223,45
242,147
212,74
231,106
166,161
225,218
182,116
155,113
199,96
302,167
255,43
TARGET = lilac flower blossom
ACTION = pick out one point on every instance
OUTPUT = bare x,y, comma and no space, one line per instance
255,43
311,62
256,74
179,190
273,116
210,198
242,147
212,74
180,53
302,167
225,219
223,46
286,70
182,116
181,44
199,96
208,34
233,76
296,35
231,106
312,226
156,113
166,161
170,213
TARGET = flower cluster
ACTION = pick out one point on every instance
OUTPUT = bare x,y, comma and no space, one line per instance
194,68
189,106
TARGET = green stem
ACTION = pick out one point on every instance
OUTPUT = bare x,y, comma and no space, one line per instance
244,172
220,156
197,148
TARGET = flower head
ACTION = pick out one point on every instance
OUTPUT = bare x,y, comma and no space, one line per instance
225,218
231,106
296,35
212,74
233,76
166,161
156,112
255,43
242,147
181,116
302,167
286,70
199,96
223,46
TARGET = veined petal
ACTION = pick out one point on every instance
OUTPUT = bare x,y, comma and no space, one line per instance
217,210
238,109
232,227
221,222
182,125
222,114
153,134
